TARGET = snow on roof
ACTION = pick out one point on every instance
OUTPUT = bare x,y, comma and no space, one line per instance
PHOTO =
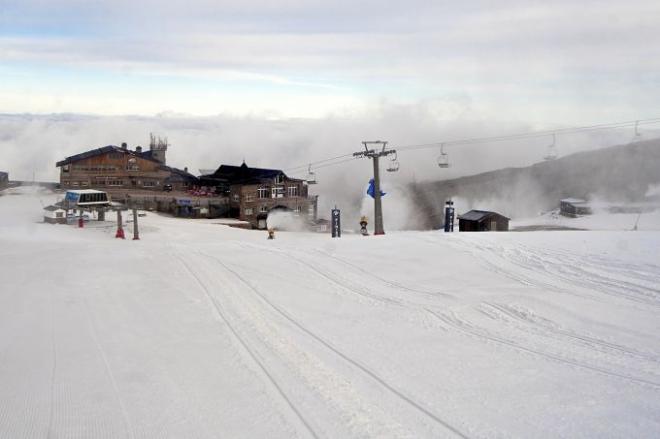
573,200
86,191
52,208
478,215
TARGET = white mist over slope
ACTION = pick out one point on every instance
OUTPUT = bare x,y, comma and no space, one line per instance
30,145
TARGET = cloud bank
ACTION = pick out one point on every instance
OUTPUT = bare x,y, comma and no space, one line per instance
32,144
558,62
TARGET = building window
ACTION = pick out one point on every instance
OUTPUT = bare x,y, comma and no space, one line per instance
298,209
74,183
115,182
279,178
149,183
236,197
65,168
248,211
277,192
263,209
84,183
292,191
249,198
132,165
262,192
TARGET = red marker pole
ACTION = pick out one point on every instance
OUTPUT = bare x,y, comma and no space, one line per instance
120,230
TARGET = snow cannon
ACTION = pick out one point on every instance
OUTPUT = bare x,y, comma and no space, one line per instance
363,226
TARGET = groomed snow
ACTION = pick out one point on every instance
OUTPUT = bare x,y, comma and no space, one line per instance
204,331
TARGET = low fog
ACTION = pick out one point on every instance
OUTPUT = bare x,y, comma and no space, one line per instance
32,144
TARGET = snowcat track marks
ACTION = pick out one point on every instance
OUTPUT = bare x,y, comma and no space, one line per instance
468,330
250,351
345,357
587,340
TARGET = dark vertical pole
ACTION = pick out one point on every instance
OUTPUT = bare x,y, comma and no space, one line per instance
336,223
136,231
449,216
378,208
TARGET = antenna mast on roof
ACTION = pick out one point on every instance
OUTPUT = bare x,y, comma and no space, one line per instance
158,147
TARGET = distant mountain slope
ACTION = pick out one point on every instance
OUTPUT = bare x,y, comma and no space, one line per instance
619,173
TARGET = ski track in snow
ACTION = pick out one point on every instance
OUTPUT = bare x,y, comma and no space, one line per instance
465,327
108,369
390,349
363,368
250,351
542,327
577,272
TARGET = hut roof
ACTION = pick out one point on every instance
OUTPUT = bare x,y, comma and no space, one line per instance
52,208
479,215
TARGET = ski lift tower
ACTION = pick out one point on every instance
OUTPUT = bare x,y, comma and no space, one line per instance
375,154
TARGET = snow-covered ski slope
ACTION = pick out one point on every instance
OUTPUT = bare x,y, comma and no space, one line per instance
203,331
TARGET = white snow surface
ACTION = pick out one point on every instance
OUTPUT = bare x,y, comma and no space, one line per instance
200,330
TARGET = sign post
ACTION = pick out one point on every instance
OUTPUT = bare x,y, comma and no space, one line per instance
449,216
336,223
136,230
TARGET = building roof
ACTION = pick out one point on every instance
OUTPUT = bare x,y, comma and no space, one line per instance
91,153
86,191
52,208
178,174
574,201
243,174
478,215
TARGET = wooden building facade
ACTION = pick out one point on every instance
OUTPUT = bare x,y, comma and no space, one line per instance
120,169
254,192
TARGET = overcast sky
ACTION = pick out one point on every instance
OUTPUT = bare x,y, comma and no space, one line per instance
568,62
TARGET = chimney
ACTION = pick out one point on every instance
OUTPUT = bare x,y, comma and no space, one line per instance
185,169
138,149
124,145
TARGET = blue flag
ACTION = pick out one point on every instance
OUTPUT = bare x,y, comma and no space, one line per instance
371,190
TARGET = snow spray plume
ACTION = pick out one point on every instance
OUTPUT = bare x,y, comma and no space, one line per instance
286,220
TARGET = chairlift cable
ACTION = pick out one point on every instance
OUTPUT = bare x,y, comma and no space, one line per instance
331,161
529,135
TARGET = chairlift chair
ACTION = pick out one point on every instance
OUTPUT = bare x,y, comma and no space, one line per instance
552,149
394,164
443,158
311,176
